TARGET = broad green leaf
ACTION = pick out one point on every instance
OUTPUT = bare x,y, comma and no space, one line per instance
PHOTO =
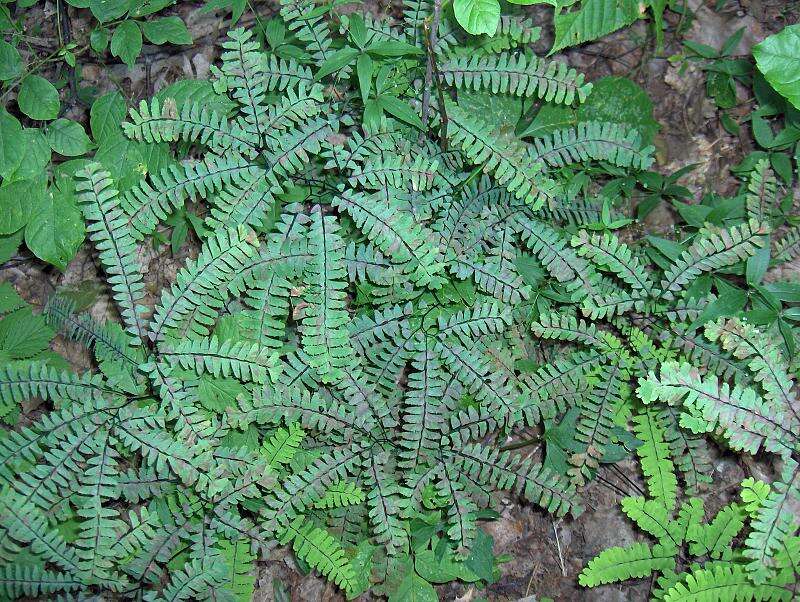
16,200
593,20
336,61
548,119
620,100
414,588
364,72
108,10
106,115
38,98
12,143
392,48
219,394
68,138
778,58
142,8
24,334
55,227
9,245
236,7
36,156
400,109
197,90
123,159
98,39
126,43
477,16
481,558
166,30
10,62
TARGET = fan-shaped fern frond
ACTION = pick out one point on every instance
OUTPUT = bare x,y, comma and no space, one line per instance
17,580
739,411
606,251
324,326
149,203
654,455
724,582
238,559
501,470
762,192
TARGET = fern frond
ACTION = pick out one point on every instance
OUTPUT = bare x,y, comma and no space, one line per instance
423,420
470,324
592,140
21,382
28,525
386,501
281,447
566,327
764,360
395,172
724,582
17,580
341,494
302,489
713,248
788,246
108,230
309,26
238,580
193,122
662,485
321,551
221,258
715,538
634,562
606,251
593,429
282,73
149,203
506,159
762,192
397,234
774,522
196,577
740,412
324,325
241,66
244,361
521,75
502,471
552,250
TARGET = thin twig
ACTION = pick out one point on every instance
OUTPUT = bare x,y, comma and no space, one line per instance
560,553
431,41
